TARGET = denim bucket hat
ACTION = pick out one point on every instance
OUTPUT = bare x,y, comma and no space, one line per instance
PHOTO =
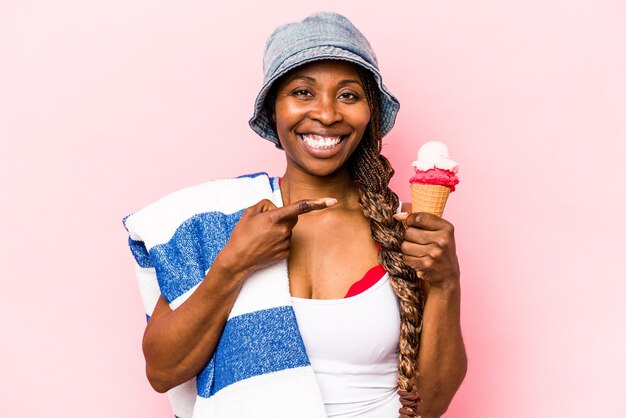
321,36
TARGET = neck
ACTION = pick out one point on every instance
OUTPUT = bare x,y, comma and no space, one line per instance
296,185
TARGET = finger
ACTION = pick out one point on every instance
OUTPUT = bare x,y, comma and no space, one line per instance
421,236
427,221
298,208
262,206
421,265
401,216
420,250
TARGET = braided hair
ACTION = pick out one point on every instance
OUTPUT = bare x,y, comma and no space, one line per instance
372,172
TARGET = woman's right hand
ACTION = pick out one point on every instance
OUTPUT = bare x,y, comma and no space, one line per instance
263,234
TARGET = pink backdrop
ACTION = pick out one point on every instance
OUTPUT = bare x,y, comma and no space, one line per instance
106,106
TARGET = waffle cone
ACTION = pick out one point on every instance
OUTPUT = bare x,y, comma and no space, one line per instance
429,198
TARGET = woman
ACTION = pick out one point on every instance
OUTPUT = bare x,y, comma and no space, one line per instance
333,220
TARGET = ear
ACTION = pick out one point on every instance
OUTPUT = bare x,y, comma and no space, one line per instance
274,117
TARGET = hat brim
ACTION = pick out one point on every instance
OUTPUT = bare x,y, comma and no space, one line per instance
262,123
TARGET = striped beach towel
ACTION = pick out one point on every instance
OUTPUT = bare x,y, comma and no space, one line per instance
260,367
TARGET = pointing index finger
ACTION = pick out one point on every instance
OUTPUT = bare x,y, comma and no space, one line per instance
300,207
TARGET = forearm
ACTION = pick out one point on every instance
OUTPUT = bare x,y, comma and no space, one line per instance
178,344
442,358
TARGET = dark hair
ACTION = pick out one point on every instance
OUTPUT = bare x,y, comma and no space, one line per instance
372,171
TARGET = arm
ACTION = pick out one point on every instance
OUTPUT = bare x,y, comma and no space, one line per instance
442,359
177,344
429,248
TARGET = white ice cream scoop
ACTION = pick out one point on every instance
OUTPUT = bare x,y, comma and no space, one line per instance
434,154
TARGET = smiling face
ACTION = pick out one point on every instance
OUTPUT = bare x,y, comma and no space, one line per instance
321,114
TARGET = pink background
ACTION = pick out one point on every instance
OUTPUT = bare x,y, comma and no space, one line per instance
106,106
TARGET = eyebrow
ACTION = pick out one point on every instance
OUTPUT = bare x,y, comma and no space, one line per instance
313,80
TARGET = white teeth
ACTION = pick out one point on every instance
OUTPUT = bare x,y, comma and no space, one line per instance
321,142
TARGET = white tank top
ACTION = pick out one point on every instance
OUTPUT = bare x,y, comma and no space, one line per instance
352,344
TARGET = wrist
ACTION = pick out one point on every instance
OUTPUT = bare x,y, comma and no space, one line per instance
230,266
447,288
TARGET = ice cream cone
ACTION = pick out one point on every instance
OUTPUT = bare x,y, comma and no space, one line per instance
429,198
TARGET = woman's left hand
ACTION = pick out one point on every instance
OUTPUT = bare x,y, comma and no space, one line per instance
429,248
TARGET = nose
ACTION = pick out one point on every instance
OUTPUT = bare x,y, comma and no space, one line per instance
325,110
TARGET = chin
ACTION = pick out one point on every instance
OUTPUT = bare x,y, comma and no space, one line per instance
324,170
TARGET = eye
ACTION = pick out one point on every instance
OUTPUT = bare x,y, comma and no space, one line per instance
301,93
348,95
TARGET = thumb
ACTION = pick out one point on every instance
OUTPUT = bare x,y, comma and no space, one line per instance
298,208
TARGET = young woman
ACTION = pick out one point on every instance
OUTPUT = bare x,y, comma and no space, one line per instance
375,291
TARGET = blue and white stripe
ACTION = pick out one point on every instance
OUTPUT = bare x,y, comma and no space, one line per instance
260,367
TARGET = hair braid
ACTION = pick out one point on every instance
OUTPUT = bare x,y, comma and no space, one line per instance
372,171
